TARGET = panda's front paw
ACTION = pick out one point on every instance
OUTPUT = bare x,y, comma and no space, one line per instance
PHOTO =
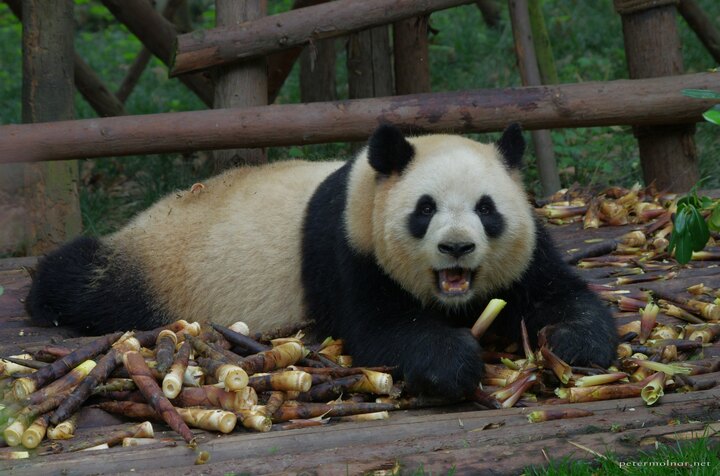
582,345
447,365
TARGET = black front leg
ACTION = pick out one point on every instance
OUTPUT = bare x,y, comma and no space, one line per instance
432,358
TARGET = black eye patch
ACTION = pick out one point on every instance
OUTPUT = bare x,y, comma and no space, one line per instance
419,219
491,219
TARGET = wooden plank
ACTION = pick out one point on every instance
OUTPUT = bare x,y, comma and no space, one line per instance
399,436
654,101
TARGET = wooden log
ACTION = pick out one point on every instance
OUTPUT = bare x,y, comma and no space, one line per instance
239,85
368,64
649,101
51,194
530,74
158,35
201,50
143,58
652,48
411,54
699,22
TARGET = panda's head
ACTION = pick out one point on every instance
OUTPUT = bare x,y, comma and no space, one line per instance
444,216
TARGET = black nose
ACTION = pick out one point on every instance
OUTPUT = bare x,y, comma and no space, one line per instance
456,249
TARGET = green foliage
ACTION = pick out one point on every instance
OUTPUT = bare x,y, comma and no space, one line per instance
698,457
690,230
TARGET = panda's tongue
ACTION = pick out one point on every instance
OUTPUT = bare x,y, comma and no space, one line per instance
454,280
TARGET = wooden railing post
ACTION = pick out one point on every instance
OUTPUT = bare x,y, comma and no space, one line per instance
51,194
530,74
240,85
411,53
652,47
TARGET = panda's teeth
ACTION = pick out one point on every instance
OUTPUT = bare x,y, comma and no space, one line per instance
454,281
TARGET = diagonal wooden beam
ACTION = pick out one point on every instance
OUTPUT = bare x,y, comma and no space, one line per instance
204,49
143,58
158,35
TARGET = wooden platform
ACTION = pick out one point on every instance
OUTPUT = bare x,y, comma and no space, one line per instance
461,437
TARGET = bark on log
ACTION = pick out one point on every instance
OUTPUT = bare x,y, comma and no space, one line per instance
201,50
412,61
158,35
48,95
621,102
530,74
699,22
239,85
652,48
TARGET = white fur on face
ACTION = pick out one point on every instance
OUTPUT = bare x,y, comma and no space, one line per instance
456,173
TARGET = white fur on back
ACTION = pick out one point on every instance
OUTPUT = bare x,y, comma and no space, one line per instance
231,252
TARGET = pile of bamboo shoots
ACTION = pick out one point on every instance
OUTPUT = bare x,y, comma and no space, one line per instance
185,376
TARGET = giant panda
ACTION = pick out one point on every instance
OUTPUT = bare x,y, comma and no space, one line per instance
397,252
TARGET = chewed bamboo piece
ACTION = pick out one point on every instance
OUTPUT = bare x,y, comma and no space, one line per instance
289,381
231,376
172,383
209,396
140,373
553,414
141,430
165,350
487,317
63,430
35,433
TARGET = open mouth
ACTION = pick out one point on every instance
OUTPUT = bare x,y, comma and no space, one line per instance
454,281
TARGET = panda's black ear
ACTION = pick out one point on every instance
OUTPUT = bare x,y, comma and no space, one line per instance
388,150
512,145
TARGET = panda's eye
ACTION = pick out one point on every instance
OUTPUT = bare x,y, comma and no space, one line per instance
485,206
427,209
484,209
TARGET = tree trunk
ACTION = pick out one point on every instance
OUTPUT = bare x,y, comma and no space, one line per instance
51,192
240,85
652,48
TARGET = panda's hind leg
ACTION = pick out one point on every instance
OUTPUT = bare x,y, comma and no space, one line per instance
87,286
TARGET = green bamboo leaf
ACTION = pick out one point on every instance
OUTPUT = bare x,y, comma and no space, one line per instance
714,221
2,290
700,94
712,116
698,230
683,250
680,221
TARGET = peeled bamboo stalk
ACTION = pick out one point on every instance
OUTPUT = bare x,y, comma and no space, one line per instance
63,430
141,430
172,383
553,414
140,373
35,433
278,357
290,380
487,317
231,376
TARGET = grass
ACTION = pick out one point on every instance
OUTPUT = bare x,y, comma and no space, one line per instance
465,54
698,457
